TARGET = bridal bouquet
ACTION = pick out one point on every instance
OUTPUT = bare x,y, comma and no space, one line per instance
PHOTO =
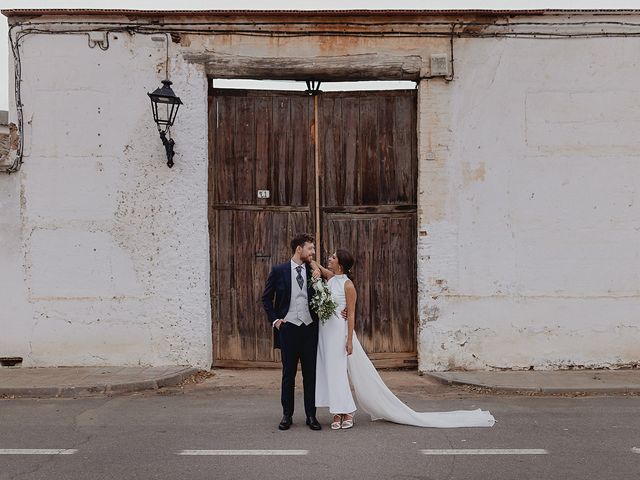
322,302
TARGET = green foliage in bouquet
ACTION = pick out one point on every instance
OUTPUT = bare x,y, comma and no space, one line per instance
322,302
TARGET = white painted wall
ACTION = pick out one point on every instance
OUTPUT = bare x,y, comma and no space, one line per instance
531,208
105,250
528,211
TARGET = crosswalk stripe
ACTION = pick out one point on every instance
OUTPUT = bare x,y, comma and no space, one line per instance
450,451
243,452
487,451
37,451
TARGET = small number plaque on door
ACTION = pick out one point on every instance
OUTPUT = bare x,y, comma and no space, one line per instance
263,193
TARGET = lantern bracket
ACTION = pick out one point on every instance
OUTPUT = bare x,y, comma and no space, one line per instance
168,147
313,87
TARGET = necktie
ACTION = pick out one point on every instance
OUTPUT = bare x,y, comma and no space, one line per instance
299,277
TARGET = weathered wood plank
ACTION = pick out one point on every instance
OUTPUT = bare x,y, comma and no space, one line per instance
243,275
364,278
262,208
373,150
403,271
394,363
280,153
309,152
388,157
330,128
335,68
409,361
298,223
224,121
389,287
263,128
227,313
405,143
370,209
298,158
262,261
238,363
350,117
368,154
266,94
244,139
384,248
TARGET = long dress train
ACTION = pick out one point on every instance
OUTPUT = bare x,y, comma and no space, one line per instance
332,382
375,398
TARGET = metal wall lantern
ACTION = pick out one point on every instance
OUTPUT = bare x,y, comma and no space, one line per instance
165,104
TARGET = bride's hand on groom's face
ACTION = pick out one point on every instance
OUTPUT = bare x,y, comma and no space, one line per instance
314,269
316,273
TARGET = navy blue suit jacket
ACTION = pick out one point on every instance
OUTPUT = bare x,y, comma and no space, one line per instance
277,295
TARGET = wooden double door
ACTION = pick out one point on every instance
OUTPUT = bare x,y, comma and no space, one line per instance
342,166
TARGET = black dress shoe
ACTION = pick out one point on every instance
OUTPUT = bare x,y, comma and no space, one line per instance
285,423
313,423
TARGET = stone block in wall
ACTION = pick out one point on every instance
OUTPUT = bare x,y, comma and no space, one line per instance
4,149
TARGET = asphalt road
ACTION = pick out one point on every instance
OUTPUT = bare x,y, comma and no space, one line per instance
142,437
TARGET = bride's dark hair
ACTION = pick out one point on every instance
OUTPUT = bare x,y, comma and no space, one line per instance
346,261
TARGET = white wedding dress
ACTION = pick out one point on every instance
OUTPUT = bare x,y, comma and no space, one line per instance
332,384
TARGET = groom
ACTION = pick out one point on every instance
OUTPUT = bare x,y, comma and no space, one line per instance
286,300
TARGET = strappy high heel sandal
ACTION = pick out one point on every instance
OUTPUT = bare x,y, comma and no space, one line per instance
337,422
347,421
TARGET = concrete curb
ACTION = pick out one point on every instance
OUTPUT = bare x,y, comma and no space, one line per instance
449,381
96,390
444,379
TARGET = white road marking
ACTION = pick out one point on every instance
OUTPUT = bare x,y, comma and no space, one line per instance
243,452
486,451
37,451
635,450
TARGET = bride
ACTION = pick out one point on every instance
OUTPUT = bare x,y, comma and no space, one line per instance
341,357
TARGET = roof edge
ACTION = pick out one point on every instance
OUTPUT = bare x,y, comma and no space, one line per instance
326,13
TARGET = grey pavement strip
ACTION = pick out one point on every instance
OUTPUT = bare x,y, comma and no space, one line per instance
551,382
119,380
37,451
486,451
243,452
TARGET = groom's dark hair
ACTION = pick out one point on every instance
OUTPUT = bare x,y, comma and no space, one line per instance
300,239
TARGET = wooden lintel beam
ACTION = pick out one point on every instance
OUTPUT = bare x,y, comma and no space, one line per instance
338,68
